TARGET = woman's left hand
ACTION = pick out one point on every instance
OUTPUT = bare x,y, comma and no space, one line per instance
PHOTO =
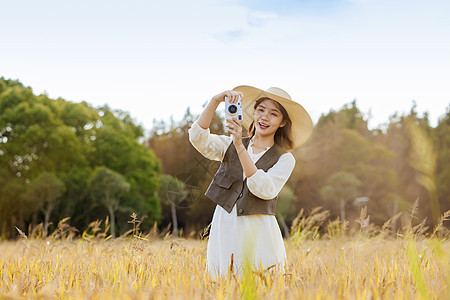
235,128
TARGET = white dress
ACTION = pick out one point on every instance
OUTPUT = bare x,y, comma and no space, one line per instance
255,238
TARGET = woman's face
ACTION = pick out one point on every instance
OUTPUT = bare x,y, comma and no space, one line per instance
267,118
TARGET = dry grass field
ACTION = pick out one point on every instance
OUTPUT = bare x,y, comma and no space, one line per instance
369,264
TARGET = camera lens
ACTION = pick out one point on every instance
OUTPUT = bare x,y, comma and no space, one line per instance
232,109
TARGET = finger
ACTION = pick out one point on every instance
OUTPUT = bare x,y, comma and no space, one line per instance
238,95
228,94
235,97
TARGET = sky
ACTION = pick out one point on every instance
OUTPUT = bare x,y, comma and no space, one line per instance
154,59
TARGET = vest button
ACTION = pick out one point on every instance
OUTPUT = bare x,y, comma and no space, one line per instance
241,211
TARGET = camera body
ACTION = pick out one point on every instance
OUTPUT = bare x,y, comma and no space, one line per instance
233,110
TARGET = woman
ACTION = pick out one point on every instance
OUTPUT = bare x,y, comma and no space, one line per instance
252,173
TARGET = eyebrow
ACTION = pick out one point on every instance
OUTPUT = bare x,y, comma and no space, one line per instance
274,109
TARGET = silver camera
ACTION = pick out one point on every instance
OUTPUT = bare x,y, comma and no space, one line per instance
233,110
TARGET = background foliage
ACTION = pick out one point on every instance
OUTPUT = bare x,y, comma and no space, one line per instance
56,158
391,167
50,152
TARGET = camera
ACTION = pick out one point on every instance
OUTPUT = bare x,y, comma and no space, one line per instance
233,110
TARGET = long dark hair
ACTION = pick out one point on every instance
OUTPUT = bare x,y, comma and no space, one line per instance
283,135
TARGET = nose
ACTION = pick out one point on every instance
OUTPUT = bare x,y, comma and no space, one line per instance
264,115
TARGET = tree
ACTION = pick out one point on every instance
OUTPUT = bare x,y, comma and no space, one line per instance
423,158
172,192
342,187
14,208
442,142
43,193
39,134
76,204
170,142
342,143
117,147
284,207
108,187
411,138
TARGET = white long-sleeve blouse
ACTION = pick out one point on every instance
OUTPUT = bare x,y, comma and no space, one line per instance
265,185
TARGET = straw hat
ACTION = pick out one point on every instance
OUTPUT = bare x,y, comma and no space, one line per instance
302,125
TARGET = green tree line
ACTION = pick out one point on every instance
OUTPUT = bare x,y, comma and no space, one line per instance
342,168
62,159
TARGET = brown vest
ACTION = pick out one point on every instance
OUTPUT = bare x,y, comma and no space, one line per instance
228,187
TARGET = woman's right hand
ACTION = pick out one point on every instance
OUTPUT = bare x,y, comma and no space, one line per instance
233,96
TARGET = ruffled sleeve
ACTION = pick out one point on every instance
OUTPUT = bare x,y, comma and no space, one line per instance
267,185
212,146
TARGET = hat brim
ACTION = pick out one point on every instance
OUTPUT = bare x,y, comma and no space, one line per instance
302,125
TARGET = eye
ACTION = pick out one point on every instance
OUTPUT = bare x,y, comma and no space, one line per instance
260,109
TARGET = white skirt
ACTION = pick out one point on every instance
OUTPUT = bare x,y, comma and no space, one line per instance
253,238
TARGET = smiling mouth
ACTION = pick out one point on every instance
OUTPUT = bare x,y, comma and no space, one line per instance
262,126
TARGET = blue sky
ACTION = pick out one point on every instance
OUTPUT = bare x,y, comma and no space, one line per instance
156,58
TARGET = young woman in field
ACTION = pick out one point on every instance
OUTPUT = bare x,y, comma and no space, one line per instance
252,173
